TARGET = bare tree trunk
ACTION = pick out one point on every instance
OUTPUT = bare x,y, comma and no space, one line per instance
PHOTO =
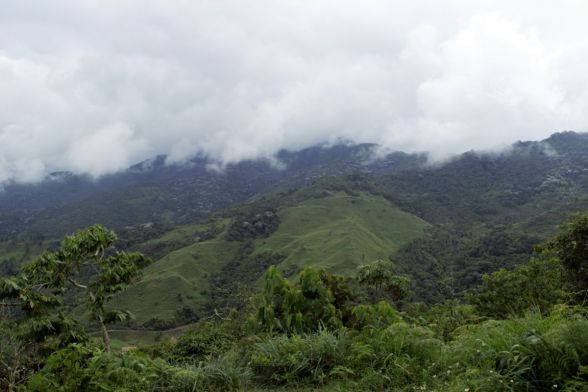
105,337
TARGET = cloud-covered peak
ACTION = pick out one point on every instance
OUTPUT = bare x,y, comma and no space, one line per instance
95,86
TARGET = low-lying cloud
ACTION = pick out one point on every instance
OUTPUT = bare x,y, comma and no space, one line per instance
94,86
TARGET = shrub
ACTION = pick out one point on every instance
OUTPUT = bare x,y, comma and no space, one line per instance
444,318
198,346
79,368
529,353
287,308
310,358
401,354
535,285
378,315
217,375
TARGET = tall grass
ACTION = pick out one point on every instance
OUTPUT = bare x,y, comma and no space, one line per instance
309,358
534,352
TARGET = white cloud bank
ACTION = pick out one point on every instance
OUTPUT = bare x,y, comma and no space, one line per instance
94,86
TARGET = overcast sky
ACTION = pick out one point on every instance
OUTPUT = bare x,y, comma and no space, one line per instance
93,86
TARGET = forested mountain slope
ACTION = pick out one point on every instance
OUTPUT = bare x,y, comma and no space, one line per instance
442,225
170,194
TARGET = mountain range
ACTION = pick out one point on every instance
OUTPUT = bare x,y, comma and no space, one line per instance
212,232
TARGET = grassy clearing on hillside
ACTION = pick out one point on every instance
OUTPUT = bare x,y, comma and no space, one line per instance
181,278
337,232
183,233
340,232
9,251
17,252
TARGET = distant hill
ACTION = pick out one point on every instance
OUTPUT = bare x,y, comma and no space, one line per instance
213,233
156,193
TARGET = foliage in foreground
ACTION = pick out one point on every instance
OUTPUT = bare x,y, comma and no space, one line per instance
534,352
321,334
37,318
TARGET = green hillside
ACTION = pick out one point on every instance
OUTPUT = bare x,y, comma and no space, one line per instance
340,232
16,251
337,232
181,278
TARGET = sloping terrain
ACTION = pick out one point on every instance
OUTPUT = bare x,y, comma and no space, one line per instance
337,232
168,194
443,226
179,279
341,231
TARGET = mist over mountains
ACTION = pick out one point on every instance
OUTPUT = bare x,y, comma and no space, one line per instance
92,88
443,225
155,192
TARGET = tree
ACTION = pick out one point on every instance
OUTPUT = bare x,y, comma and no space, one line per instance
537,284
570,246
86,262
302,308
379,277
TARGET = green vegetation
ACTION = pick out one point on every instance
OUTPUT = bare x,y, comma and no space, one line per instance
287,308
225,261
373,279
379,277
540,353
181,278
571,248
16,251
319,333
535,285
35,299
260,225
336,208
341,231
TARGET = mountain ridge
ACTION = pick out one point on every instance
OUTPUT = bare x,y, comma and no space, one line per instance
477,213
